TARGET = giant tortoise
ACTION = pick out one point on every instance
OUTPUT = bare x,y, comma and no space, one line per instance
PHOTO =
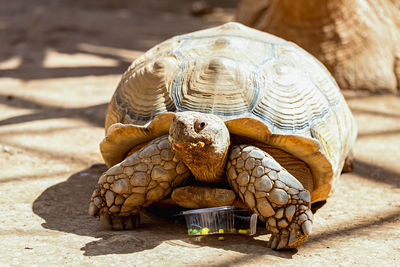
225,116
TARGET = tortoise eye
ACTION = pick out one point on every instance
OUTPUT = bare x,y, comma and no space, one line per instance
200,126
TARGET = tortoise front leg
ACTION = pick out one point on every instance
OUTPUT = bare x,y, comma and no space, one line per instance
146,176
273,193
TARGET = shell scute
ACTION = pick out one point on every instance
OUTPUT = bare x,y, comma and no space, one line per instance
262,86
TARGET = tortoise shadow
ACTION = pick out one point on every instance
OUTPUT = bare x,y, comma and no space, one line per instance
64,208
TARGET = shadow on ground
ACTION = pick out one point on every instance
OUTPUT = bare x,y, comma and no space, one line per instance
376,173
64,208
110,28
94,114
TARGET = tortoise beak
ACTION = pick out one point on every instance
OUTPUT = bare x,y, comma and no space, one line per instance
198,144
185,146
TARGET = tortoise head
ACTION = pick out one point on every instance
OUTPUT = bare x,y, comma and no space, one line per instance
201,141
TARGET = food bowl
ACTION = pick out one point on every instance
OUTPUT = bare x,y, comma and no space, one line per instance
220,220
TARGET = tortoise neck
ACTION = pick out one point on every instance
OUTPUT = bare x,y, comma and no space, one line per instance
209,169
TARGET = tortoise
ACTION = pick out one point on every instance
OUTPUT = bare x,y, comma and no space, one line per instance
224,116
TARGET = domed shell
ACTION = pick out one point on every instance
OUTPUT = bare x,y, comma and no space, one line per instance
262,86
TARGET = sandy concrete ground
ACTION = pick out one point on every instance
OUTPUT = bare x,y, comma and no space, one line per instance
59,65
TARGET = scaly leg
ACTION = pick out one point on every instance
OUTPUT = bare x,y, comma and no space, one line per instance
146,176
273,193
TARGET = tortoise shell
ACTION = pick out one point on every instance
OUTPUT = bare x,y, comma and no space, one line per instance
262,86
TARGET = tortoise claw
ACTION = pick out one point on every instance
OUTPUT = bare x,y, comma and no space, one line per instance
105,221
115,222
291,237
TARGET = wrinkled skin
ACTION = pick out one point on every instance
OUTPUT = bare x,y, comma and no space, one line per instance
202,142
